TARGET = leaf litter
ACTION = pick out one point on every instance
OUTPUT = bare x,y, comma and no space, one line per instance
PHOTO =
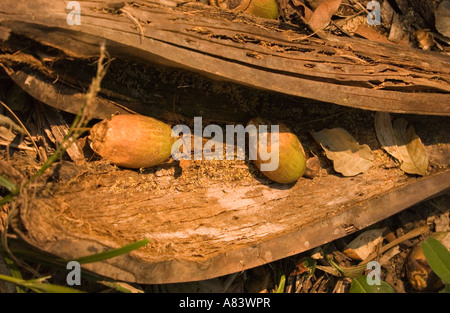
348,156
399,139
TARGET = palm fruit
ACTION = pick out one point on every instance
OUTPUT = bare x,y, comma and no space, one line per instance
132,141
291,161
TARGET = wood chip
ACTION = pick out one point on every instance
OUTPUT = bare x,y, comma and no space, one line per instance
56,129
364,245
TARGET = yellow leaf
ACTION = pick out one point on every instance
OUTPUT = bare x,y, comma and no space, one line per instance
349,158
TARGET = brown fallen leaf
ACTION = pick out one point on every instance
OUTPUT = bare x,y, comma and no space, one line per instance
313,4
350,25
401,142
349,158
425,39
358,25
299,6
442,16
385,134
413,154
397,33
371,33
9,127
323,13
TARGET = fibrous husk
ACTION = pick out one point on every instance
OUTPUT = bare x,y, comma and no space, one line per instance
132,141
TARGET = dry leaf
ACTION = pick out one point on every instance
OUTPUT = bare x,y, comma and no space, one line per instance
397,32
300,7
313,4
358,25
425,39
349,157
385,134
400,141
322,15
6,134
351,25
442,16
413,156
371,33
10,125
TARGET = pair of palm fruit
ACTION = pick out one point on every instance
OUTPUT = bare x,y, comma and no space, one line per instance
137,141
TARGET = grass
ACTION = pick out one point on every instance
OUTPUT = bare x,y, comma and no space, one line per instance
15,257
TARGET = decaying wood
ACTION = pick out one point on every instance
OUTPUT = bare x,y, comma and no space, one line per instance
212,230
57,129
210,218
344,71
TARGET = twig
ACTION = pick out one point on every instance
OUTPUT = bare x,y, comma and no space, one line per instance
4,240
361,6
8,123
14,145
77,128
307,36
131,17
353,271
414,233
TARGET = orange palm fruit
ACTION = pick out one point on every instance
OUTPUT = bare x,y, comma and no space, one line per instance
291,155
132,141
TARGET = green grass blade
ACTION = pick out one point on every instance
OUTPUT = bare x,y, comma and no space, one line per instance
14,271
39,286
310,264
7,198
7,184
121,286
50,260
49,288
280,288
112,253
438,257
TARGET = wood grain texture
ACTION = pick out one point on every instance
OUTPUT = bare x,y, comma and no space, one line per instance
210,219
207,219
356,73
